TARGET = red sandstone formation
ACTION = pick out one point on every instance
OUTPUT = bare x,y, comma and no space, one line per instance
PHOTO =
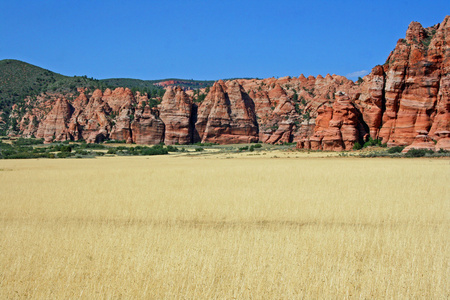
336,126
410,93
118,98
168,83
421,141
176,112
92,121
121,131
54,128
416,84
278,126
371,100
227,115
146,127
444,140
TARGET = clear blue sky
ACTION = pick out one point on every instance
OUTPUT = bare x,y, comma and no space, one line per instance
208,39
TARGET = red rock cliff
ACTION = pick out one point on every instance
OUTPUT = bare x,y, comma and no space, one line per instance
175,113
404,102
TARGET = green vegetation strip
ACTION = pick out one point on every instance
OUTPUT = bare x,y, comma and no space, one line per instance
34,148
22,148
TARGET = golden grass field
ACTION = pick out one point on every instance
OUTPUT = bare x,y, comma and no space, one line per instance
207,227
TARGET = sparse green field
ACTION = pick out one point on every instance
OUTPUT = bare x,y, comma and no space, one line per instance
277,225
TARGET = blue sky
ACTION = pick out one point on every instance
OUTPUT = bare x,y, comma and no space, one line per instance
208,39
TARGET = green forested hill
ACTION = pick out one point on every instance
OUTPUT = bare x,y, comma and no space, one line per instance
19,79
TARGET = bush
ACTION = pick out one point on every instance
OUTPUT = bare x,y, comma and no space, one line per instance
418,152
371,142
257,146
155,150
172,149
396,149
357,146
66,148
81,152
199,149
27,142
112,151
64,154
23,155
243,148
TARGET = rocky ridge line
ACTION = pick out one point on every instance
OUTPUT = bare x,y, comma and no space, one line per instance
404,102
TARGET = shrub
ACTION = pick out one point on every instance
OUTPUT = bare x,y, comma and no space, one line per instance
81,152
396,149
66,148
112,151
23,155
64,154
418,152
25,142
172,149
357,146
154,150
93,146
372,142
199,149
116,142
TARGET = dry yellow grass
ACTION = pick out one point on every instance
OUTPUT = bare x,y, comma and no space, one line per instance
207,227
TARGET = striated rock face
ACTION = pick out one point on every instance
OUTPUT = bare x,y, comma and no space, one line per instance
147,128
371,100
410,93
336,126
444,140
54,127
227,115
421,141
278,125
92,120
118,98
121,130
416,84
176,113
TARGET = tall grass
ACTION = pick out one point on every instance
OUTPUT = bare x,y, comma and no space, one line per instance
202,228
